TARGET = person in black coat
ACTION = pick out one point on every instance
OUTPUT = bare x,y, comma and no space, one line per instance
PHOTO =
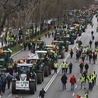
81,67
86,67
64,81
70,67
90,43
8,78
42,93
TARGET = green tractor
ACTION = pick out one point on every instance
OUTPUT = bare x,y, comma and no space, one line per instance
5,58
51,51
43,59
60,48
26,79
38,67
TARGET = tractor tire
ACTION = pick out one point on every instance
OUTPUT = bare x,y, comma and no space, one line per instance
14,87
39,78
50,69
43,76
32,87
46,71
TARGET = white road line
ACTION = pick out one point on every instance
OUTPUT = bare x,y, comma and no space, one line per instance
76,86
78,79
73,94
9,95
80,74
54,76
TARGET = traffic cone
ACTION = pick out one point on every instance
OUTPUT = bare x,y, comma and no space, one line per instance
78,96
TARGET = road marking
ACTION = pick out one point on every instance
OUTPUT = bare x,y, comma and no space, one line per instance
54,76
10,95
76,86
73,94
78,79
80,74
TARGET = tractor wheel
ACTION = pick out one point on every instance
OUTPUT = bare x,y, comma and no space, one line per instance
46,71
32,87
14,87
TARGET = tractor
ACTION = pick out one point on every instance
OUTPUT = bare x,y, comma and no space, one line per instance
26,79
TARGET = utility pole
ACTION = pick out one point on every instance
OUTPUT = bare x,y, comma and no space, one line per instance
40,20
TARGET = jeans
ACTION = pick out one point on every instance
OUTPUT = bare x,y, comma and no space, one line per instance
90,86
63,70
63,86
81,70
72,86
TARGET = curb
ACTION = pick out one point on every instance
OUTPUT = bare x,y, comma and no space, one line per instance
21,50
16,53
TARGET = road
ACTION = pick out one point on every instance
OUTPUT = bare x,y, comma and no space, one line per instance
55,90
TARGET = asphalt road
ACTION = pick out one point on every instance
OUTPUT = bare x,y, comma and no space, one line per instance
55,89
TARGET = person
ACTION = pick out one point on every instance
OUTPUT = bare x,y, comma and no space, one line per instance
95,76
82,80
85,75
86,67
55,67
86,95
64,81
8,78
96,44
71,53
3,84
66,67
70,67
90,81
42,93
90,43
81,67
72,81
92,33
63,67
94,56
77,55
90,57
93,37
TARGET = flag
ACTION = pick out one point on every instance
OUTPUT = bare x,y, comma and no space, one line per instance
78,96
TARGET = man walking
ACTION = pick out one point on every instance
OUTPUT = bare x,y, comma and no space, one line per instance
70,67
64,81
72,81
42,93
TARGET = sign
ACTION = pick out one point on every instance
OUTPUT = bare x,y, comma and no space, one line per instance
22,85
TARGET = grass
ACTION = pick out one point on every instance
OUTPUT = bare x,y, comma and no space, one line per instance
17,47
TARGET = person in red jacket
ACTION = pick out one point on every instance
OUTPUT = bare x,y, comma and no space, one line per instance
72,81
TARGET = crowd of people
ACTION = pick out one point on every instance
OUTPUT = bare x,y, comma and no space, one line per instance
85,78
